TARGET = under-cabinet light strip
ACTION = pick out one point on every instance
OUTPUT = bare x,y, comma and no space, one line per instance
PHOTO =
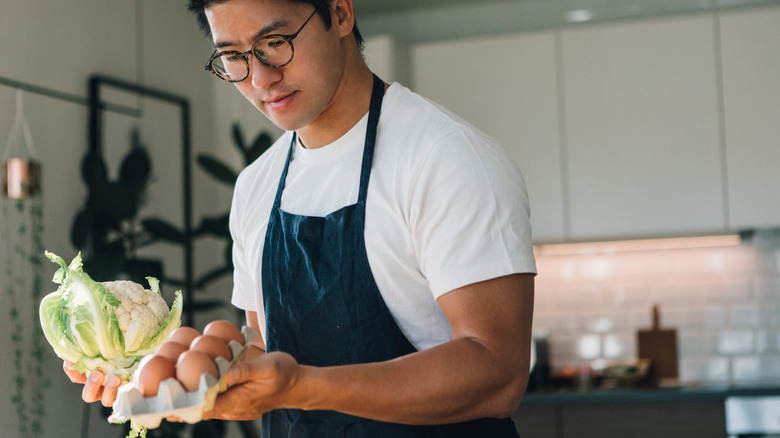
601,248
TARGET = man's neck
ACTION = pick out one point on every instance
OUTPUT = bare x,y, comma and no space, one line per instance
350,103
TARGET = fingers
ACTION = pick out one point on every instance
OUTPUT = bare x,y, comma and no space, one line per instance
110,390
234,404
95,391
238,373
276,368
73,375
93,387
262,367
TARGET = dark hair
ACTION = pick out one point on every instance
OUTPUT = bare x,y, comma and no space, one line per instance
198,7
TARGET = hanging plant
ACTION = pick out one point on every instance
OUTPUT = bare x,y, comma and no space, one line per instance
22,233
22,230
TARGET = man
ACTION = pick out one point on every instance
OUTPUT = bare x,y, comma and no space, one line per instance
382,246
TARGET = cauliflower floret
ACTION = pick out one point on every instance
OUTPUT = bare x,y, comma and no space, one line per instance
141,313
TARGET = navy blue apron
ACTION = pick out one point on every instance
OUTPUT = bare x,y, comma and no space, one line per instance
323,307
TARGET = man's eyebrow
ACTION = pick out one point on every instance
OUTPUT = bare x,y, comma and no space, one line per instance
278,24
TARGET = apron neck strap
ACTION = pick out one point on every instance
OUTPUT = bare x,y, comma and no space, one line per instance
377,95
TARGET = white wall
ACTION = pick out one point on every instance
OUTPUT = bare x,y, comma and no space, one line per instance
57,45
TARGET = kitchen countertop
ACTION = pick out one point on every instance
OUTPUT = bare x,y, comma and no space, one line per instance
622,395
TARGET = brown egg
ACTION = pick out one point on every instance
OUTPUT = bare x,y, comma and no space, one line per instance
153,371
171,350
211,345
183,335
224,330
191,365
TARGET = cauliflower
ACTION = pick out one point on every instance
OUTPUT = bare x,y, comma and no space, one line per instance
140,312
105,326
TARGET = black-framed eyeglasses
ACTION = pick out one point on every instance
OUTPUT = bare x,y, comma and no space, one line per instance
272,50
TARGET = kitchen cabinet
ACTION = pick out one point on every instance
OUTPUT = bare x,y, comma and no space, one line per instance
642,129
633,129
751,96
507,87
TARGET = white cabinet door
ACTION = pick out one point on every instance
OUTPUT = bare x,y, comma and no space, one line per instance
643,145
751,94
387,58
507,87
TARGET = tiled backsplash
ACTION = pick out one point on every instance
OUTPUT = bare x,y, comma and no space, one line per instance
724,303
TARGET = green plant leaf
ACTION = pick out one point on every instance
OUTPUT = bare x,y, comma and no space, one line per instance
204,305
80,229
238,138
218,170
229,253
103,224
162,229
116,199
216,226
108,261
136,167
93,169
139,269
175,282
213,275
261,144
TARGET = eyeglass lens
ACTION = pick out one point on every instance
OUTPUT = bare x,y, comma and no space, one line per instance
272,51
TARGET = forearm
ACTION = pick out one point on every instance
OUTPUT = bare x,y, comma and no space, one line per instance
482,373
458,381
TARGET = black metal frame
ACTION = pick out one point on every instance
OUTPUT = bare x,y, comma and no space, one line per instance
95,128
96,108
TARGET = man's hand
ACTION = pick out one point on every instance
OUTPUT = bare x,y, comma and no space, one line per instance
256,386
481,373
93,386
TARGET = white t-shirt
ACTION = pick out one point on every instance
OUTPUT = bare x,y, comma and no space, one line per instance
446,207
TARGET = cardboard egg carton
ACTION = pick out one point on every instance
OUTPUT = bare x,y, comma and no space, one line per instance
172,400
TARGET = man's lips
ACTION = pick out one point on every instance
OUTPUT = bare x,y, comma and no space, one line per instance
276,103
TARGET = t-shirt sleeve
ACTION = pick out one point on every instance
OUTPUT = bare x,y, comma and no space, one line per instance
469,213
243,290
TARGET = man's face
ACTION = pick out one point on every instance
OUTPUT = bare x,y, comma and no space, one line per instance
295,95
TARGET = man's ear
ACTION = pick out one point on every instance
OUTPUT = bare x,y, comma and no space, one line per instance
344,15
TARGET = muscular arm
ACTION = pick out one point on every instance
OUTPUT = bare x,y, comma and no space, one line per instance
481,373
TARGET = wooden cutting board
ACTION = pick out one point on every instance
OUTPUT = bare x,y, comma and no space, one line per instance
660,346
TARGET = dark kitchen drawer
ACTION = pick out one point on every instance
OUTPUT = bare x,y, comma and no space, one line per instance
536,421
666,419
645,420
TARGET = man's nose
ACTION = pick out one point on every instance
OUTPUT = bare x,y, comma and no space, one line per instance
261,75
